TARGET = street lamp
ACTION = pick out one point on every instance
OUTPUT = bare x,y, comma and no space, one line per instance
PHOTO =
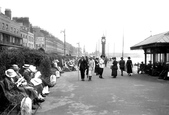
64,32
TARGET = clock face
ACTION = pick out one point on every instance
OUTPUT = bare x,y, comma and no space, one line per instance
103,40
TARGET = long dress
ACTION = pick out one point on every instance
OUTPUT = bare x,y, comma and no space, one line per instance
114,69
129,66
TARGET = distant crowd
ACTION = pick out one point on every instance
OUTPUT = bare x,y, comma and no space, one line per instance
89,65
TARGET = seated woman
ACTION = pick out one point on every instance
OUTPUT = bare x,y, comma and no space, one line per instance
15,94
28,73
37,81
22,83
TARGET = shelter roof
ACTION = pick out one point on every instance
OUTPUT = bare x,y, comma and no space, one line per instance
158,38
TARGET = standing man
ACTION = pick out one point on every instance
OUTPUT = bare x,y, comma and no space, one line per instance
122,65
129,66
114,68
82,64
101,66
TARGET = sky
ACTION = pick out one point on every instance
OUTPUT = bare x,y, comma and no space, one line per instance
86,21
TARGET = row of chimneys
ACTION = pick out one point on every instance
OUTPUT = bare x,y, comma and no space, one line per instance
8,13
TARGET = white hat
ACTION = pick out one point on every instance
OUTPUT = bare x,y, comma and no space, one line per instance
56,61
10,73
32,68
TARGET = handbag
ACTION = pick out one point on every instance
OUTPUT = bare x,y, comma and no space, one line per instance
53,79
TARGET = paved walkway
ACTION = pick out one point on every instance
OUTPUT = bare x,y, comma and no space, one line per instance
125,95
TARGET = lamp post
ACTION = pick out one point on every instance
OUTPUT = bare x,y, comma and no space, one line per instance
64,32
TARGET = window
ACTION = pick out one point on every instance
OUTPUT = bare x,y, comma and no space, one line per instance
7,27
3,26
14,30
1,37
11,29
11,39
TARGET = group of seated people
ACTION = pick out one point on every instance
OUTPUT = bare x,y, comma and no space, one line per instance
69,65
28,84
157,69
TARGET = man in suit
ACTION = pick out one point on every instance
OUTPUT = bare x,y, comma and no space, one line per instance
82,64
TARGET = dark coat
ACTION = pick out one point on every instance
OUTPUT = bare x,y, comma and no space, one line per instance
114,69
122,64
82,65
12,92
27,75
129,66
96,66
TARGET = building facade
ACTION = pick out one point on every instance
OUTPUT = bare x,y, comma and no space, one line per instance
24,34
31,41
20,33
39,38
10,35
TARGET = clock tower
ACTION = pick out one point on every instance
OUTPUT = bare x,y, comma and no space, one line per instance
103,40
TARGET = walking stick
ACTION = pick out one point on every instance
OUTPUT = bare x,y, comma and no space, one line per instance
78,74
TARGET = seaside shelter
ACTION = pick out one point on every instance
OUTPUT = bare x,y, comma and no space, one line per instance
156,48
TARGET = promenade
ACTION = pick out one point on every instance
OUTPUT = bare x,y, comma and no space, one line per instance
138,94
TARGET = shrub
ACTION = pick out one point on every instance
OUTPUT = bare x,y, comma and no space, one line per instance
25,56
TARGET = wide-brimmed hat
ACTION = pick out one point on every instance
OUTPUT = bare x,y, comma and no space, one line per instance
26,66
32,68
10,73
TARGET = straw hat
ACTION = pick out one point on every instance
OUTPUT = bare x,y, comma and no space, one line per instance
26,66
10,73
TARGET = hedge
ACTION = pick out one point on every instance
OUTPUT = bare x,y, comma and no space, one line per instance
25,56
